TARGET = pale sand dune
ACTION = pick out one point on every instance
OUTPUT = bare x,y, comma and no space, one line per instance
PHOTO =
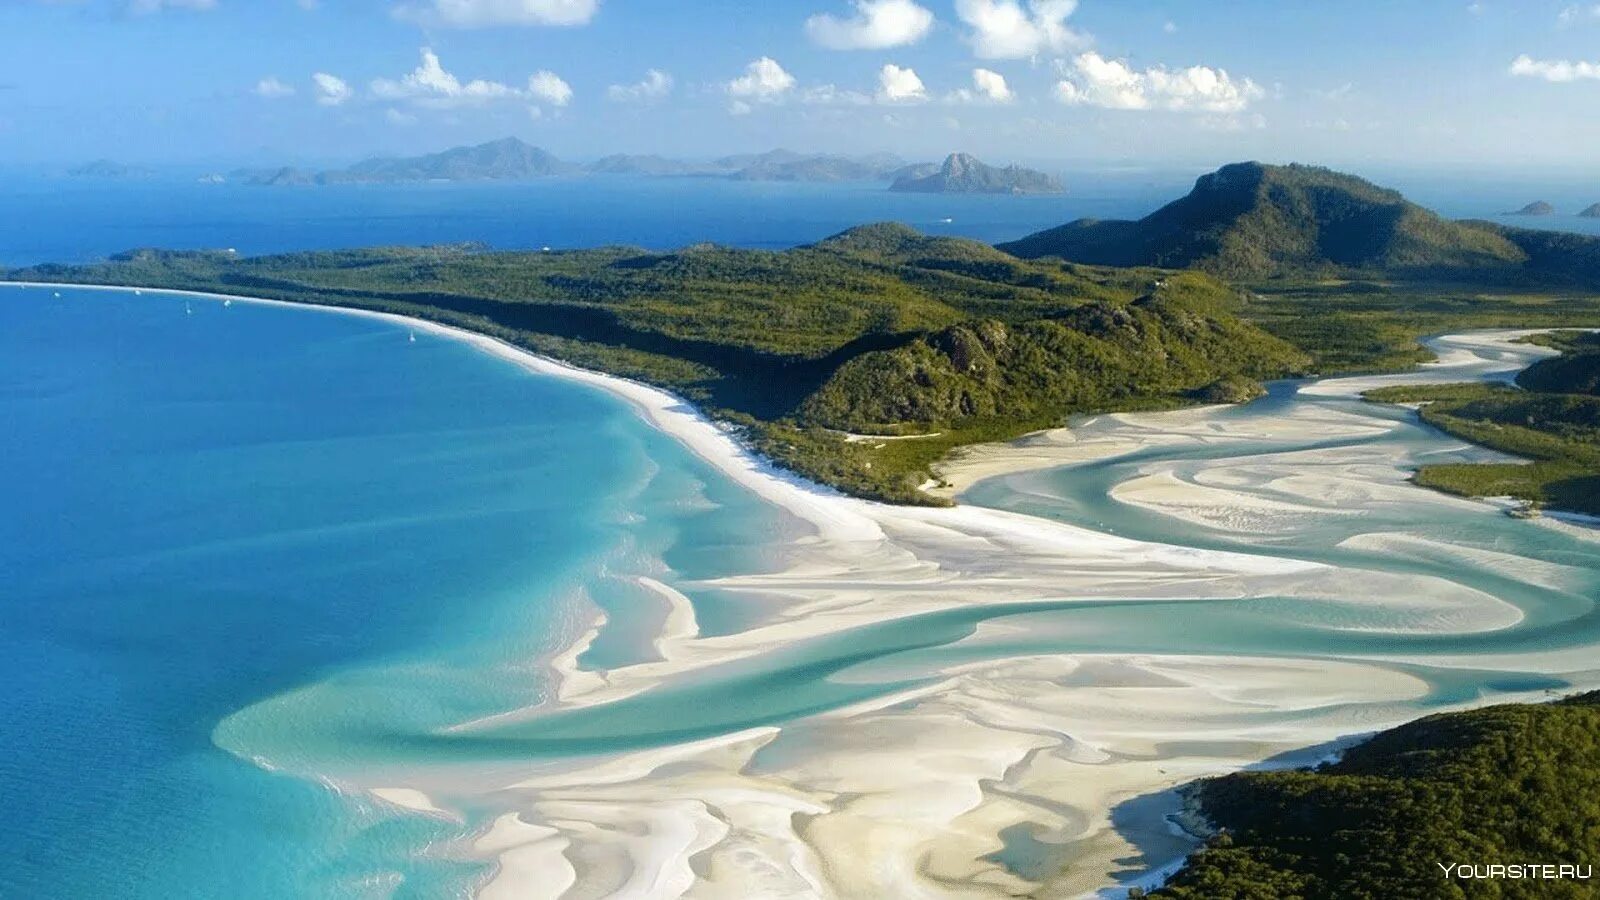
1069,756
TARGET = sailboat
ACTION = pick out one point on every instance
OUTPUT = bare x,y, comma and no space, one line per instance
413,337
227,302
187,309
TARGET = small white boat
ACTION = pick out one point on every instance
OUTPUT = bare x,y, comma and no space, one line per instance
187,309
413,337
227,303
58,295
946,220
138,293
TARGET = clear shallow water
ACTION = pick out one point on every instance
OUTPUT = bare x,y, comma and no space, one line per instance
199,511
305,539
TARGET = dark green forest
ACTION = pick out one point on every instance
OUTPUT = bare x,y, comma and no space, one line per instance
1517,783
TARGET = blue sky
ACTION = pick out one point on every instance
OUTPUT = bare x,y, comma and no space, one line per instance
1485,84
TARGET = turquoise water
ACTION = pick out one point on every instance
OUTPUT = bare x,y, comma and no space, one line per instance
254,554
202,509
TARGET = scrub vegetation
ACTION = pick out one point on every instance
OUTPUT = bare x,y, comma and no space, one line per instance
1504,784
1553,419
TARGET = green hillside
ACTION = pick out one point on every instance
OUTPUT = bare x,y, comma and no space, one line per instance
1575,371
880,328
1250,221
1504,784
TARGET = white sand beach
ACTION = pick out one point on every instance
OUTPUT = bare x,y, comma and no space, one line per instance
1047,775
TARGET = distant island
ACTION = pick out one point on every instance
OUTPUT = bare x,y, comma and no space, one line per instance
1593,212
963,173
511,159
107,168
1536,208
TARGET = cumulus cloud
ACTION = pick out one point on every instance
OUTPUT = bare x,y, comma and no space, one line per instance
876,24
271,88
430,85
1093,80
331,89
1004,29
489,13
763,81
656,84
1557,70
548,86
988,86
399,117
897,85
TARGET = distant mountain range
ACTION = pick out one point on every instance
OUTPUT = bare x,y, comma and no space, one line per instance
963,173
510,159
1250,221
1593,212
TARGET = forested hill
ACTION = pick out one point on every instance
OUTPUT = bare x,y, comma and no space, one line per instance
1250,221
1512,784
880,329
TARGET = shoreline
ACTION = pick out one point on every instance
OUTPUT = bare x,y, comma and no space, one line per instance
851,796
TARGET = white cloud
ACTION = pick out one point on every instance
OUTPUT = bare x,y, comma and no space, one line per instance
1003,29
271,88
897,85
988,86
763,81
876,24
1557,70
430,85
656,84
1169,27
398,117
1093,80
548,86
331,89
488,13
146,7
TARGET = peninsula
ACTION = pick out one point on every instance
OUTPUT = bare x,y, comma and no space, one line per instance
821,353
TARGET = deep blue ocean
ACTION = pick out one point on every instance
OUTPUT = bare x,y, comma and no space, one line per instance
53,218
204,506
